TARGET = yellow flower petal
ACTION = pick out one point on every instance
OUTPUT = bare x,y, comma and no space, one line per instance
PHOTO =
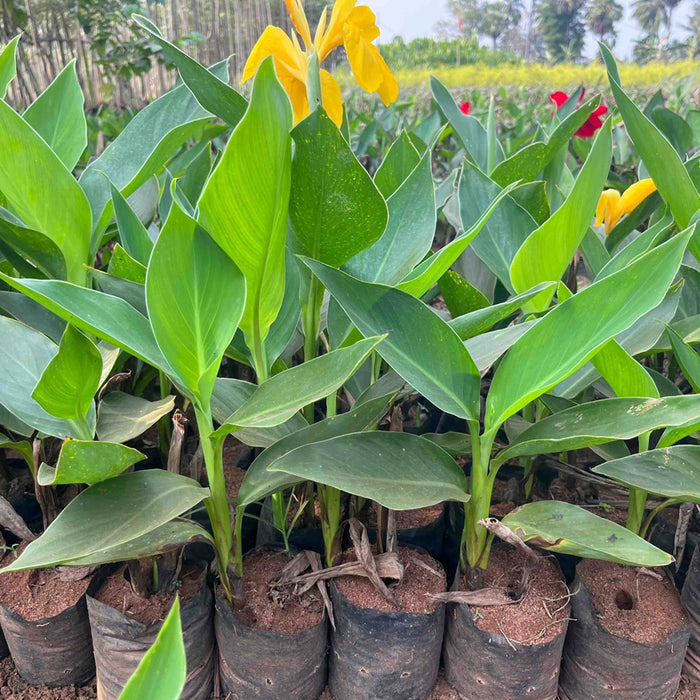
274,42
389,89
332,97
301,24
362,58
366,21
635,194
297,95
608,210
333,36
321,28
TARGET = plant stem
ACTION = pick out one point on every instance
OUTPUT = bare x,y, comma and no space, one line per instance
638,497
259,358
528,463
238,540
164,426
279,516
313,84
650,518
329,501
217,503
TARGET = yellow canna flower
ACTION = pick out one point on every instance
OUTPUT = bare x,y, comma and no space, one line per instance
353,26
612,206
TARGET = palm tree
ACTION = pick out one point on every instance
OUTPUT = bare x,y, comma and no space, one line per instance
601,17
651,15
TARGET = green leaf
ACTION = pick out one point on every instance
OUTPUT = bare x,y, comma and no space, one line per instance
122,417
259,482
598,422
398,163
659,156
103,315
132,233
486,348
548,250
460,297
58,116
195,296
335,209
420,346
687,358
22,446
504,232
230,395
672,472
24,355
42,191
244,205
145,145
409,233
481,320
111,514
71,379
8,64
624,374
215,95
281,396
32,314
88,462
674,128
672,435
400,471
162,672
569,335
122,265
568,529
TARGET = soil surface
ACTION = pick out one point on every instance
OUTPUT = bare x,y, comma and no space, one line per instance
285,613
12,686
234,452
631,604
540,615
39,593
233,477
410,519
116,592
616,515
410,595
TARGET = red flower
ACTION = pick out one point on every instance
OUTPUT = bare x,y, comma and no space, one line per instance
465,107
592,124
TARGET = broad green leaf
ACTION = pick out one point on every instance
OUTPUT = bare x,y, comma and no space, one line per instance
459,296
24,448
595,253
672,435
409,233
230,395
147,142
479,321
132,292
8,64
24,355
122,417
547,252
568,529
569,335
624,374
43,193
281,396
504,232
659,156
420,346
111,514
687,358
244,205
486,348
598,422
58,116
32,314
398,163
195,296
468,130
88,462
335,210
21,245
122,265
532,196
164,538
456,444
68,384
527,163
672,472
162,672
213,94
132,233
103,315
422,277
259,482
400,471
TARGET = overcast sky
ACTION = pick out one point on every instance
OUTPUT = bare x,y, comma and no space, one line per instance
416,18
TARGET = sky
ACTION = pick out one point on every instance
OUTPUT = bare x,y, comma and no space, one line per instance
417,18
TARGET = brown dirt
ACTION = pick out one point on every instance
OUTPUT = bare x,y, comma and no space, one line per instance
539,616
655,607
616,515
116,592
409,519
39,593
12,686
233,451
289,614
410,595
233,477
500,510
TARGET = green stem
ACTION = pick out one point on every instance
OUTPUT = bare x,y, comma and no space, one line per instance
164,425
238,540
638,497
279,516
647,523
331,405
259,358
313,84
217,503
329,501
311,323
